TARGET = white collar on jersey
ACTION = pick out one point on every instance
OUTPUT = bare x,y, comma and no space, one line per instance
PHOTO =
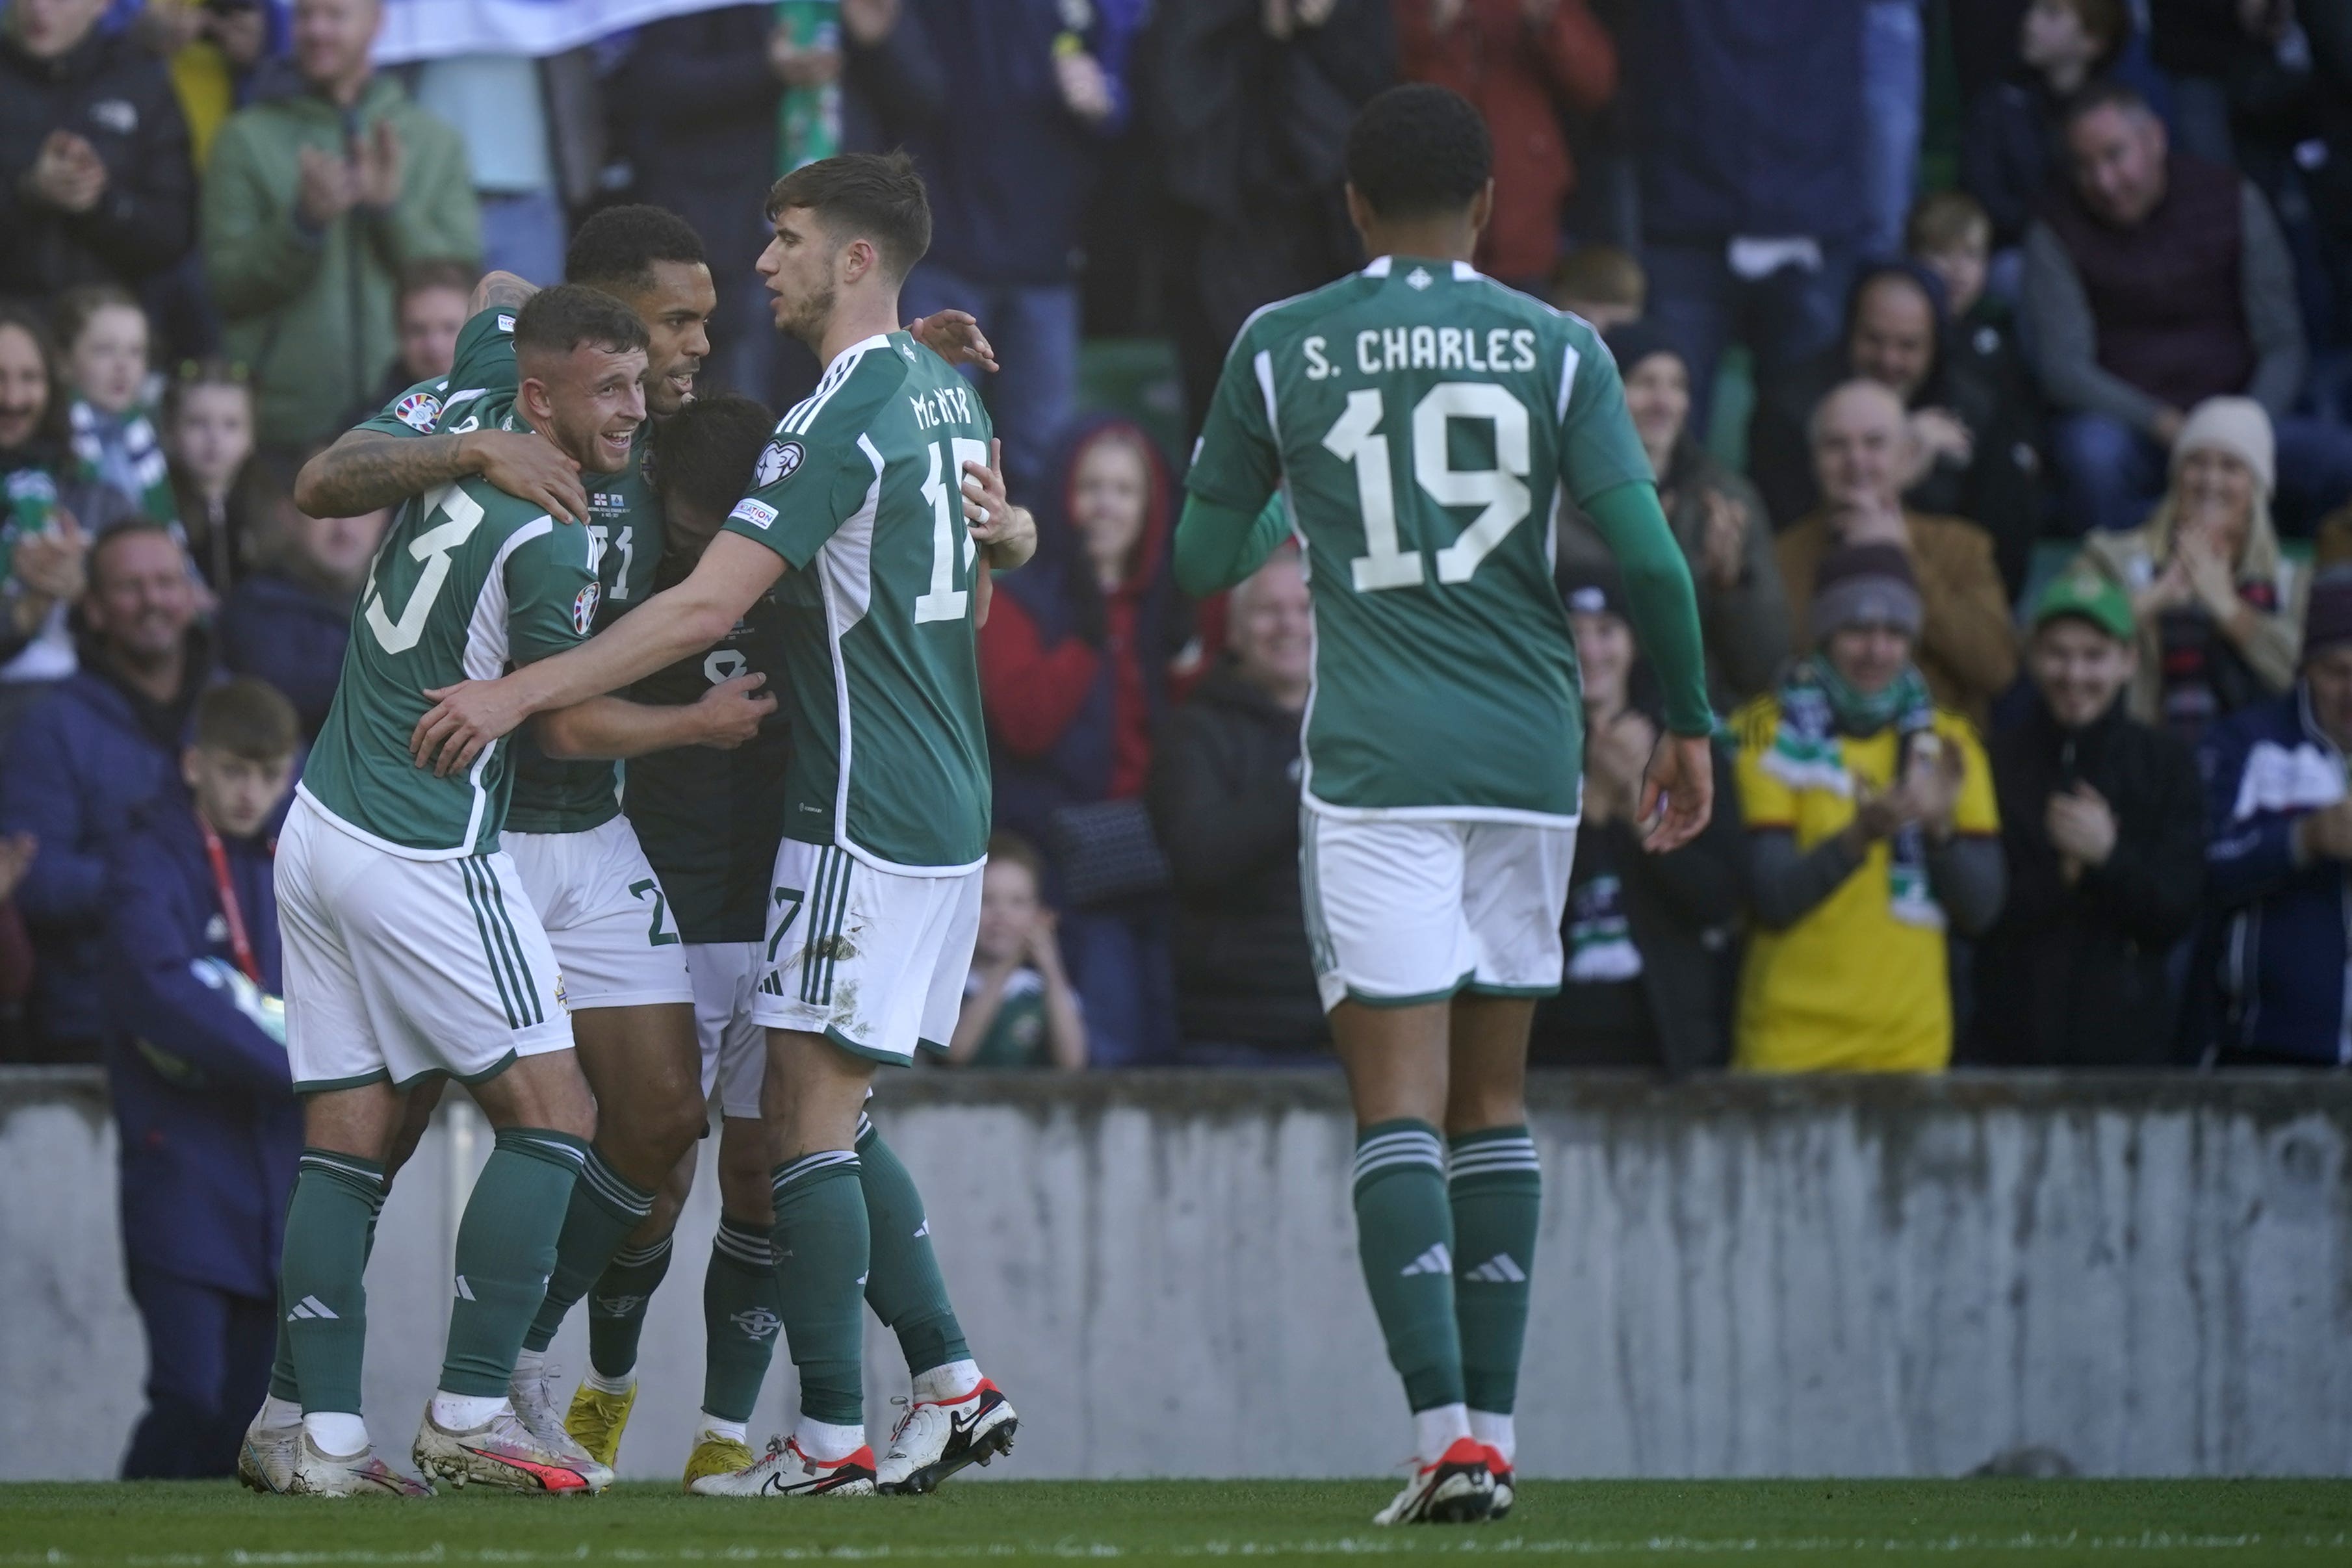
1463,271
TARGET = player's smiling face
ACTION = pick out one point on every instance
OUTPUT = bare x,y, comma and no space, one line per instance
677,313
798,266
589,402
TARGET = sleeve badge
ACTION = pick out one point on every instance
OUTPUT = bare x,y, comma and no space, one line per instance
417,410
583,608
777,462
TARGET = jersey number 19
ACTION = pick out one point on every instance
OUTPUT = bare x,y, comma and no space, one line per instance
1500,491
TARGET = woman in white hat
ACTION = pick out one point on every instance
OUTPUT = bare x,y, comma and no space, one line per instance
2220,611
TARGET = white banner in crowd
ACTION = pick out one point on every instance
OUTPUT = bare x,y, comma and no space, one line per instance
434,29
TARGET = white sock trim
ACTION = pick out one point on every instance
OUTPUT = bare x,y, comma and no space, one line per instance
825,1442
1496,1431
603,1384
277,1412
1438,1428
953,1380
732,1431
337,1432
465,1412
528,1364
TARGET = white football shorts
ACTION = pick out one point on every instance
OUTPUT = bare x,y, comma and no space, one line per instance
1403,911
734,1045
606,915
873,960
399,968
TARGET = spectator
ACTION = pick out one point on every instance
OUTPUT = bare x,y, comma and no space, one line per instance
1646,935
1753,160
1970,454
1950,237
1224,799
1964,647
1018,1008
2203,47
428,312
196,1063
892,77
2154,281
698,96
499,106
319,193
1522,63
2215,602
210,48
105,742
1717,516
1894,101
1073,664
52,513
16,853
1602,284
208,438
1871,833
290,623
2273,982
95,185
1006,207
104,333
2009,143
1253,99
2103,822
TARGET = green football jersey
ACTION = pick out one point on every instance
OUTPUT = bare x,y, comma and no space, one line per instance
468,583
861,493
1424,422
709,820
550,796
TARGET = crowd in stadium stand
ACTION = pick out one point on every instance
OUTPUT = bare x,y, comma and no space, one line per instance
1994,359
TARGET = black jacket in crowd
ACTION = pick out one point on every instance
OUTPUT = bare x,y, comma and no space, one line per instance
2075,976
1224,798
117,97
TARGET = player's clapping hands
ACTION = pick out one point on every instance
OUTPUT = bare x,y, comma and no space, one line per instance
732,710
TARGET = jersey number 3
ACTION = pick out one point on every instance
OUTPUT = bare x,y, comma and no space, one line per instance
1501,492
432,547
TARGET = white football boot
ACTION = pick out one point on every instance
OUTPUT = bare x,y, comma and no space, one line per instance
1506,1480
364,1474
785,1471
264,1460
1456,1490
935,1438
502,1452
533,1399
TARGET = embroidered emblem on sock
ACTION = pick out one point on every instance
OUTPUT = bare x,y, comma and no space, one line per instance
310,1307
464,1291
1499,1269
1437,1260
757,1321
617,1306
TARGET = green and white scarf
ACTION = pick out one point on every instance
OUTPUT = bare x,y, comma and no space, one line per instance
1817,707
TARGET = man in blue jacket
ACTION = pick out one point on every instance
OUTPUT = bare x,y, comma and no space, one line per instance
106,740
2279,860
196,1059
290,623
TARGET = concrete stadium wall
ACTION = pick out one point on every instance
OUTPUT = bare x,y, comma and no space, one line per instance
1738,1277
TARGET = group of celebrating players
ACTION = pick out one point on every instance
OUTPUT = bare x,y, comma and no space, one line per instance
467,890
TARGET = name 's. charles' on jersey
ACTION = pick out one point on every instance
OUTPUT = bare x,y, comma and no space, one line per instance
1382,348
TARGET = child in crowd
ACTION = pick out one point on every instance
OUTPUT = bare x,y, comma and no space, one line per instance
208,439
1019,1009
1950,233
1602,284
429,313
105,336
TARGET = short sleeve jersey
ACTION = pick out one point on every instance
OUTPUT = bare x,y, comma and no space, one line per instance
625,538
1424,421
469,582
709,820
1852,986
861,491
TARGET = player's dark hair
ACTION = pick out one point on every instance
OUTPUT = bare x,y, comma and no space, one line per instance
876,197
423,277
616,248
54,427
1012,849
1419,151
247,718
559,319
2104,92
704,454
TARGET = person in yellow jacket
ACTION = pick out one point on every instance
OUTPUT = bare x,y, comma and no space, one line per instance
1871,835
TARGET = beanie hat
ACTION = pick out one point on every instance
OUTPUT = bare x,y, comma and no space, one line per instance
2327,611
2238,426
1865,585
1595,590
1635,341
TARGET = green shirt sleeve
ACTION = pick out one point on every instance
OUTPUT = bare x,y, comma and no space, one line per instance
811,484
1218,546
1599,448
1237,463
1658,593
552,594
485,362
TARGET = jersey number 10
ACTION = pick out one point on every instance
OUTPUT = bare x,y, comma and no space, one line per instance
1501,491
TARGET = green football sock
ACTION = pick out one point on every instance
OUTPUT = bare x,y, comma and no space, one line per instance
283,1385
322,1283
904,1287
605,1205
740,1318
506,1246
1404,1234
1496,1186
616,1308
823,1250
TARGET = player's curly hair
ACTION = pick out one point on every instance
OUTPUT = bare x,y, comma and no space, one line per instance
874,197
1419,151
616,248
704,453
559,319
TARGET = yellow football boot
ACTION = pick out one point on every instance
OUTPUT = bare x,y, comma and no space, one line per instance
597,1420
715,1456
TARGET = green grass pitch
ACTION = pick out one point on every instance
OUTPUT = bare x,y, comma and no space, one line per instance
214,1525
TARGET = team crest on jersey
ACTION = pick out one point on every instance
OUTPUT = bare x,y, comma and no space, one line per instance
583,608
777,463
417,410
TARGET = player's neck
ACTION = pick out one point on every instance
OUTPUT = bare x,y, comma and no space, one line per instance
1437,239
855,320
